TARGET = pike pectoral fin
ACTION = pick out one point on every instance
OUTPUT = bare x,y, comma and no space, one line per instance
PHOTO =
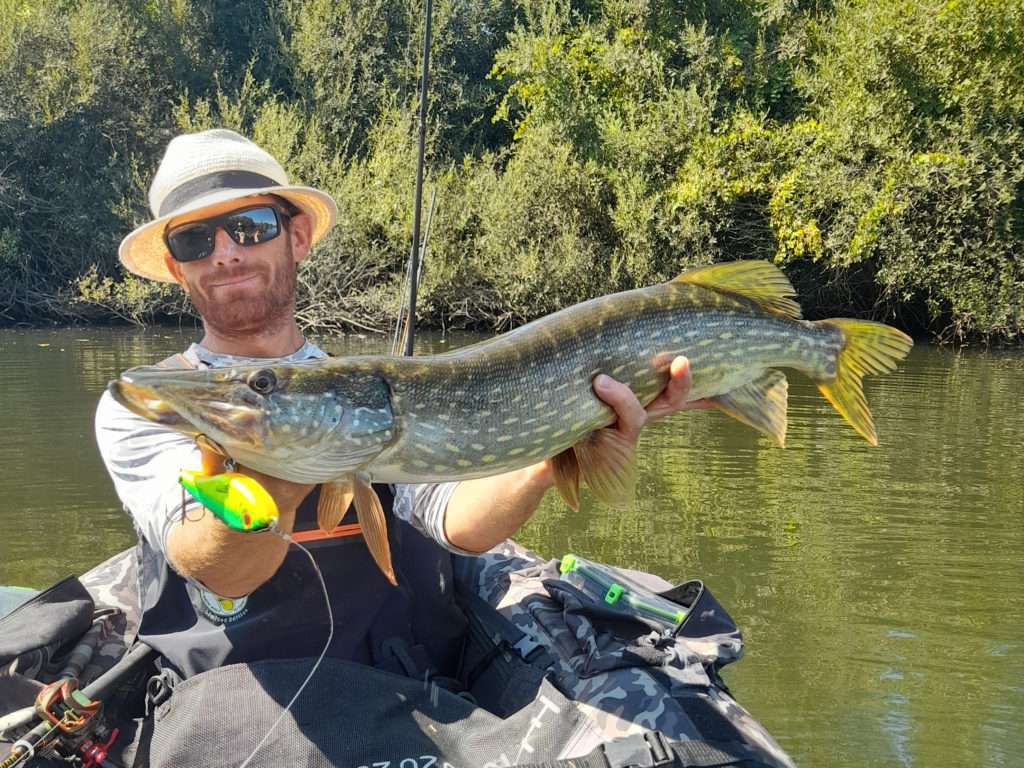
567,477
761,404
607,464
758,281
335,499
375,527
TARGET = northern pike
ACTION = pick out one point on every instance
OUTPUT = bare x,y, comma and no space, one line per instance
524,396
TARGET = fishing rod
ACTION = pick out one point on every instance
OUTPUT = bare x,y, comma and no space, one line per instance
402,321
414,253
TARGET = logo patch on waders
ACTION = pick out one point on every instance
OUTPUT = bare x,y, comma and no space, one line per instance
220,610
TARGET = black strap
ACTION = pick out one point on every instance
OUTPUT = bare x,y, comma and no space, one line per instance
709,754
512,637
653,750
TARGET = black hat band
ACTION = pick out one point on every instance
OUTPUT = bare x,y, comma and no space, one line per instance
181,195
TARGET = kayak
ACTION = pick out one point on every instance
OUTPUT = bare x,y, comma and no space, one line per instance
12,597
563,665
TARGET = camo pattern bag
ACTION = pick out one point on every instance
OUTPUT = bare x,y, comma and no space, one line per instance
114,587
626,676
33,635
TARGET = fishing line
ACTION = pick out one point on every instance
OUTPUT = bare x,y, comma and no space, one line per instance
320,658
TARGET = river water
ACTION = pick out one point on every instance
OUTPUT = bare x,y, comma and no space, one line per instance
880,591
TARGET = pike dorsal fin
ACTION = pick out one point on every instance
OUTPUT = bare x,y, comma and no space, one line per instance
335,499
759,281
371,518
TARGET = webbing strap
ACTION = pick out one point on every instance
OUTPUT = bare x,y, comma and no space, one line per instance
711,754
176,361
595,759
315,534
528,649
652,750
638,750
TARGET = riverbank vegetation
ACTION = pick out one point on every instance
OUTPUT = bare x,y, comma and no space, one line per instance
873,149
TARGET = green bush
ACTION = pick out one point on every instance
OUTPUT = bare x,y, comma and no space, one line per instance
872,148
537,229
915,169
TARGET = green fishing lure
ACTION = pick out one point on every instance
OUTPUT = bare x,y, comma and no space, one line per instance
238,500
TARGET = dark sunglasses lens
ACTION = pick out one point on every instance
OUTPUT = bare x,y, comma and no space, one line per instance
257,225
191,243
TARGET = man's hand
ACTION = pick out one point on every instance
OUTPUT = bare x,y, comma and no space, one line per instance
233,563
631,416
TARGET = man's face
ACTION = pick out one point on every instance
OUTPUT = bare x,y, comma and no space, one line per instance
244,289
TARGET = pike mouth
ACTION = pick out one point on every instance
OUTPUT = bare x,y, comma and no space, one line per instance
188,407
144,402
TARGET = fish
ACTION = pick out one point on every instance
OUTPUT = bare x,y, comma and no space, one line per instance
524,396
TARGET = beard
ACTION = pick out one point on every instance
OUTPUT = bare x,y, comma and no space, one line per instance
262,313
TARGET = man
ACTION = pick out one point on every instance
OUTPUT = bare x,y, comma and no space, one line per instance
231,231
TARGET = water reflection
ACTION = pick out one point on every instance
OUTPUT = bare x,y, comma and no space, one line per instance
871,584
877,588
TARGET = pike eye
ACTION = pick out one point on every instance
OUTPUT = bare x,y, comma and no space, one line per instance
262,382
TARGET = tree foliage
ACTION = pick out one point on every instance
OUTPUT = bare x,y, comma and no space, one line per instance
871,147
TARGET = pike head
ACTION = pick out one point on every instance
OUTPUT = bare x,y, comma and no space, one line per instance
308,422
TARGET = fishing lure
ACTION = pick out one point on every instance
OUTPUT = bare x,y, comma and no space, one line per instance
238,500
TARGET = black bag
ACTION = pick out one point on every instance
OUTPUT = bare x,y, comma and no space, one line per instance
349,715
36,633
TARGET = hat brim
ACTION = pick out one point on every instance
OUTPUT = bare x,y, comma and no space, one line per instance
144,251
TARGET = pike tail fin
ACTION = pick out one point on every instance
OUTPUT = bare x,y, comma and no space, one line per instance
868,347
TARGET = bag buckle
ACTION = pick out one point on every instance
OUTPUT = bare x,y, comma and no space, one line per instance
525,646
649,749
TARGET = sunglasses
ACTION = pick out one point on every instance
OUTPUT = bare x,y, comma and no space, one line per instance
250,226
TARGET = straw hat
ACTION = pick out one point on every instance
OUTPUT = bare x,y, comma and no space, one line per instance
203,169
